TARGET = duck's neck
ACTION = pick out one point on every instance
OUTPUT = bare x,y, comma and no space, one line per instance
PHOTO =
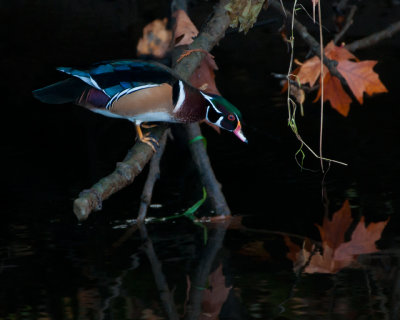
190,105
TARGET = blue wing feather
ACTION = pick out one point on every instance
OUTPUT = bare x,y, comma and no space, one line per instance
115,76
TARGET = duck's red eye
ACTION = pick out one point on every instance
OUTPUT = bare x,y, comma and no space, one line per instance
231,117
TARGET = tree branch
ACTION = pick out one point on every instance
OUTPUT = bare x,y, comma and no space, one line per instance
125,173
349,22
374,38
152,177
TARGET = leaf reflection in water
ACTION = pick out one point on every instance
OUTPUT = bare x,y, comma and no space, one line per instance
336,253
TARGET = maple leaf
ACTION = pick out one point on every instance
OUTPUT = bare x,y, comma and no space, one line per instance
156,39
334,92
336,253
332,231
338,53
203,77
184,29
310,71
361,78
362,240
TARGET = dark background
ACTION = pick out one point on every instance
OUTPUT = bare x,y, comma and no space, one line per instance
50,263
51,152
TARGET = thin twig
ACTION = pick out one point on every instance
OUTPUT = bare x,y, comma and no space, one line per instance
152,177
374,38
310,40
321,79
349,22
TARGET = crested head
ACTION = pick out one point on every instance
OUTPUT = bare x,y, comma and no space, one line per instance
224,114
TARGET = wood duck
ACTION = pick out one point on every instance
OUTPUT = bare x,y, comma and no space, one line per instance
141,91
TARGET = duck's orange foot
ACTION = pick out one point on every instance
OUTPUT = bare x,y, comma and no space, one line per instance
148,126
150,141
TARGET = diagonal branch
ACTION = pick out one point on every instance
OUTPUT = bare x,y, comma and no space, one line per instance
349,22
374,38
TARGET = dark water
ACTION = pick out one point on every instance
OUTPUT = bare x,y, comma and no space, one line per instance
270,263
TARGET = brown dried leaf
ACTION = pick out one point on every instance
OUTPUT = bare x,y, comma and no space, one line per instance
332,231
334,52
184,29
336,253
310,71
361,78
156,39
204,75
297,93
362,240
334,92
244,13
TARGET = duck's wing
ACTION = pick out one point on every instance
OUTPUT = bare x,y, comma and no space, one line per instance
114,77
105,82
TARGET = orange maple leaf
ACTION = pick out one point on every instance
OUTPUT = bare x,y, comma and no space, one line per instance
332,231
362,240
310,71
361,78
336,253
184,29
156,39
334,92
338,53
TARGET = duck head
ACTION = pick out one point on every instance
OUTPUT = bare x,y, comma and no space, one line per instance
224,115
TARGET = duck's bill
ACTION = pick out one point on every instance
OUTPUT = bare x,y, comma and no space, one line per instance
239,133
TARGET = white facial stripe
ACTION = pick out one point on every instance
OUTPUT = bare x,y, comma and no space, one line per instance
209,99
181,97
218,123
206,96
